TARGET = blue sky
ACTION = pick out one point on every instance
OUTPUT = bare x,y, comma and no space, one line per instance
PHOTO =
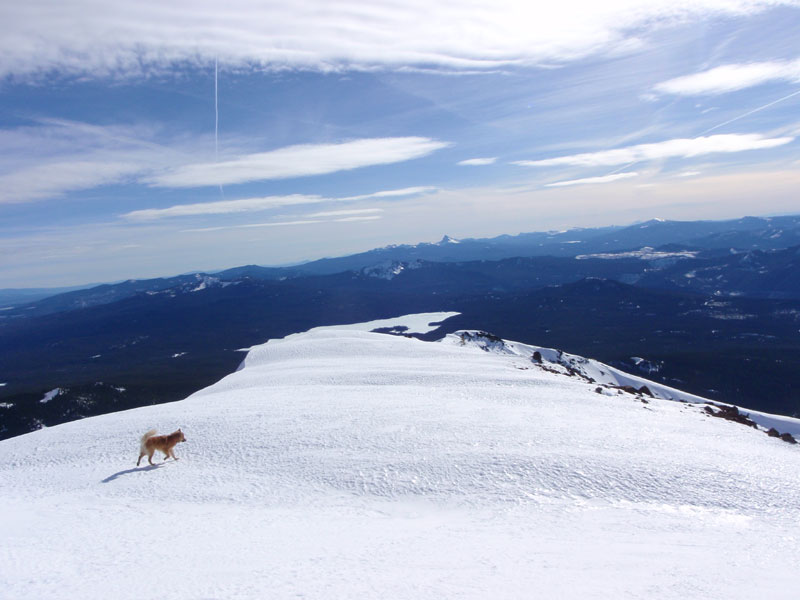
150,139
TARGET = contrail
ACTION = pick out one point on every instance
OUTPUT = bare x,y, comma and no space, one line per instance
755,110
623,167
216,109
728,122
216,118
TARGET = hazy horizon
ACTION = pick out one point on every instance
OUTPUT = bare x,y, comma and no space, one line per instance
145,140
212,270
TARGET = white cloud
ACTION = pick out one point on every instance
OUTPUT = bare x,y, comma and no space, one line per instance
345,213
55,157
751,112
478,162
730,78
358,219
344,216
254,225
247,205
410,191
53,179
591,180
676,148
122,38
299,161
222,207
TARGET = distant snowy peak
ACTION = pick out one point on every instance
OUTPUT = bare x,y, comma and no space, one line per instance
448,240
654,221
389,269
445,241
197,282
205,281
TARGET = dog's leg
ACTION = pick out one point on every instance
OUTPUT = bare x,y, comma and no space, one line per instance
150,457
140,459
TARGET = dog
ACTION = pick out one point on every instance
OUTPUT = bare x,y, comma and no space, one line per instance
151,442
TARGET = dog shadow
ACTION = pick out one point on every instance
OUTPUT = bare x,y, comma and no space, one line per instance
111,478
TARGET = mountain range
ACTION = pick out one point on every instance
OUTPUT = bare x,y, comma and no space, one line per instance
687,303
705,240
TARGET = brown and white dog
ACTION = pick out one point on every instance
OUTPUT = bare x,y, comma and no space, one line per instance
165,443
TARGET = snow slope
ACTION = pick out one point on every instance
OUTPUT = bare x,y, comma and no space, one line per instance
340,463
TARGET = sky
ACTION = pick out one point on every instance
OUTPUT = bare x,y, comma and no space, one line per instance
149,139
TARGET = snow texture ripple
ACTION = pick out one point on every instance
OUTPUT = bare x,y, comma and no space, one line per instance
341,463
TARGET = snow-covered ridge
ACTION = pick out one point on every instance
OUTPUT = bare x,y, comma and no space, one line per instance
342,463
610,380
645,253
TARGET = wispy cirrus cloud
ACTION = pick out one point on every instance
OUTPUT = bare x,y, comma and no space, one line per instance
360,212
222,207
731,78
333,216
478,162
56,157
53,179
248,205
594,180
301,160
124,39
354,219
409,191
675,148
254,225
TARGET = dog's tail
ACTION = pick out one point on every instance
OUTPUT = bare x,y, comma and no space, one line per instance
144,439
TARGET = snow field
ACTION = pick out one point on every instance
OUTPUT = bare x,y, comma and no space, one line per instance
345,464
